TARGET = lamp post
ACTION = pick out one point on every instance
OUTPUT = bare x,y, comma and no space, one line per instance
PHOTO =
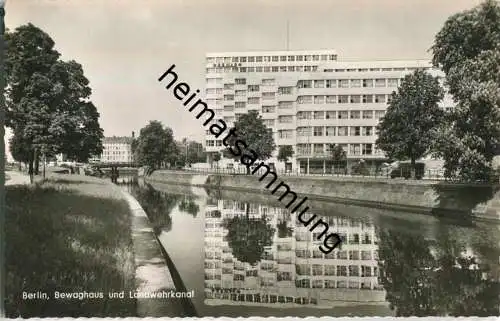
2,158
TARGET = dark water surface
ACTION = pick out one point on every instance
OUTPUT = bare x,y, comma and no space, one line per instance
245,255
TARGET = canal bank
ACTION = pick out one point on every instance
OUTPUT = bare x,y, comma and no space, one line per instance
153,266
423,197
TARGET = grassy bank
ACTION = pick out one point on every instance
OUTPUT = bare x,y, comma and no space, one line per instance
70,234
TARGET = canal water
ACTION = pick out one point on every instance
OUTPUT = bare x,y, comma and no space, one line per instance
244,255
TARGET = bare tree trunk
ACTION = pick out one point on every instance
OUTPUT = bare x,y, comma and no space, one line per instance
412,168
37,162
30,170
44,161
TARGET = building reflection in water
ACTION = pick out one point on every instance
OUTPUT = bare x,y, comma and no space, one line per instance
292,270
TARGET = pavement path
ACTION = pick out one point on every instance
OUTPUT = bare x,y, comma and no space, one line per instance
16,178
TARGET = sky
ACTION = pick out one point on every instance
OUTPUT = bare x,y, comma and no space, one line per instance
124,46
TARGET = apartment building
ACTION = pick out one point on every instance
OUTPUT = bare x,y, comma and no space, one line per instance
293,271
117,150
309,99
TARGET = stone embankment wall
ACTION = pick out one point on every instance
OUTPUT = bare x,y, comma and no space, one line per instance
426,197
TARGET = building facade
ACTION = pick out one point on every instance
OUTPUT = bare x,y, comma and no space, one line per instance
293,270
117,150
309,99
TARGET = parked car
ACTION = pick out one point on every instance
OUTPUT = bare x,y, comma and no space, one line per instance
403,169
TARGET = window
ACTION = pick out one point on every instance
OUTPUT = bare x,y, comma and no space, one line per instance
253,88
285,90
316,57
342,131
343,99
300,58
330,269
210,143
343,83
319,115
283,58
291,68
367,148
275,58
389,98
355,99
251,59
304,84
330,131
355,83
366,255
330,115
331,83
367,114
274,69
380,82
366,271
380,98
258,69
353,270
318,131
319,99
319,84
367,82
300,68
239,104
342,114
331,99
240,81
355,131
285,104
392,82
267,69
253,100
379,114
304,100
341,270
355,114
354,255
304,131
284,134
307,58
210,91
332,57
268,109
269,122
240,93
304,149
318,149
228,108
367,98
355,149
282,68
285,119
304,115
228,97
317,269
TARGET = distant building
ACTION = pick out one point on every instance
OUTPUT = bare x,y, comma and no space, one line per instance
117,150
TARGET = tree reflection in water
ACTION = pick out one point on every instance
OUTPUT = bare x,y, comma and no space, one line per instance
247,236
433,278
157,205
189,206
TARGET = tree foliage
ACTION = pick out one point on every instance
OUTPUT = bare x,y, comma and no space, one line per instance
251,129
48,106
155,145
285,152
467,49
247,236
408,129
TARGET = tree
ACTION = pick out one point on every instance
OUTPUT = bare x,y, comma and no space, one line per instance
247,236
408,129
48,105
284,153
155,145
251,129
338,155
467,49
189,206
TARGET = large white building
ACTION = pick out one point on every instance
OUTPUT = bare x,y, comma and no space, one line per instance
309,99
117,150
293,270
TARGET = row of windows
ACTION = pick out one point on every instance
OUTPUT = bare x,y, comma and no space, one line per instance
114,152
262,69
350,149
319,131
271,58
349,83
306,99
